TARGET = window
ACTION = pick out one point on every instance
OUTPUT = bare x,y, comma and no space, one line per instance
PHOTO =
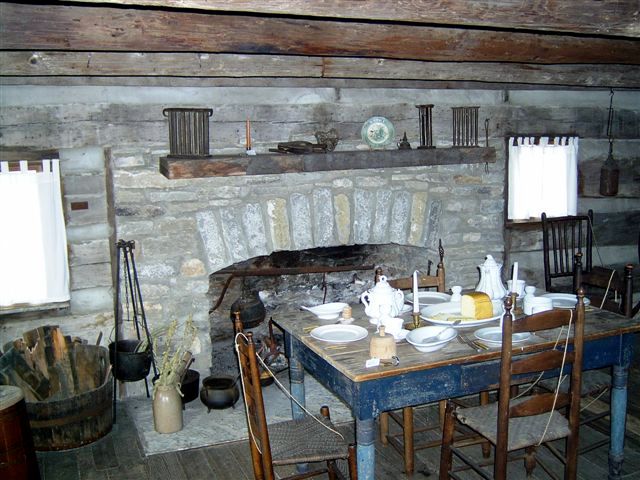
543,177
33,245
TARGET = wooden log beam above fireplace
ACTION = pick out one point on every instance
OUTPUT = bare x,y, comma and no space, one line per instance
63,27
221,166
223,65
609,18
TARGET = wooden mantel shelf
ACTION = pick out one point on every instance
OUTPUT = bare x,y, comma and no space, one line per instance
269,164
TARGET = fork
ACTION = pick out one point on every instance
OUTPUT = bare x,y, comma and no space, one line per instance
464,339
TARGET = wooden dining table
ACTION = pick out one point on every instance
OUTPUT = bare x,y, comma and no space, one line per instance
456,370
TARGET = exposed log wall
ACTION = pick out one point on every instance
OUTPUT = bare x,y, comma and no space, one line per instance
605,17
122,64
37,27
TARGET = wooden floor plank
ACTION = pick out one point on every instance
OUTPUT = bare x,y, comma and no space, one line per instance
157,468
194,462
104,453
129,472
221,463
60,465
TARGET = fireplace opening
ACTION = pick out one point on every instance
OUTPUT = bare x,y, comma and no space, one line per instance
279,284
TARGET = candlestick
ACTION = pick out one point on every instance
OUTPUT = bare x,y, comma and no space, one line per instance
514,280
248,135
416,300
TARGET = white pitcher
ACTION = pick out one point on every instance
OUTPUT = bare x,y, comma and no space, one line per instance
491,279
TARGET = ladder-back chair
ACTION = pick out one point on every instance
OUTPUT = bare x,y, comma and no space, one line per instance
404,441
526,422
562,239
307,440
606,288
596,383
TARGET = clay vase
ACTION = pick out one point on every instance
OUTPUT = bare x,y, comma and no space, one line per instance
167,409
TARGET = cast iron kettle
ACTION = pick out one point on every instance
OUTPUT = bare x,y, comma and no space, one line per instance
219,392
251,308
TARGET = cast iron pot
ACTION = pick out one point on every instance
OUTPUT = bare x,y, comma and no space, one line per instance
219,392
131,365
190,386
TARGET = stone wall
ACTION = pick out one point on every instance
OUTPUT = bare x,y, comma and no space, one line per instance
187,229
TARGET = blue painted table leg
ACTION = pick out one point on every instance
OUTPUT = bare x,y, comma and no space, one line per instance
296,380
366,453
618,420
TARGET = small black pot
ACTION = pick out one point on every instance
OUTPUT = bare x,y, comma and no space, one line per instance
190,386
131,365
219,392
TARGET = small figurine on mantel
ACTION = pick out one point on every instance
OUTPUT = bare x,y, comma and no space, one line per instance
404,143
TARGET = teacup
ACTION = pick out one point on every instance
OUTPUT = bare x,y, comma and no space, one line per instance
392,325
537,304
520,284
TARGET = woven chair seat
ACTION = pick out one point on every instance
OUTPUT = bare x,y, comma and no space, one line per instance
523,431
305,441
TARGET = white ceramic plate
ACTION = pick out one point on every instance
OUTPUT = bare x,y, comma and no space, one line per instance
443,335
405,309
493,336
378,132
327,311
564,300
428,298
339,333
434,314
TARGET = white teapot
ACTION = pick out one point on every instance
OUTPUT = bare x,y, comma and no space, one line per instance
382,295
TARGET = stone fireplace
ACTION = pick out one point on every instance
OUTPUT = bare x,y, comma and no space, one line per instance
192,229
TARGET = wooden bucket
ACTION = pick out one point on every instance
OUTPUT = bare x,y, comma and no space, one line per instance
17,456
81,419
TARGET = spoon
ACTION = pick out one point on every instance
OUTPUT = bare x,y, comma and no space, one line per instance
433,338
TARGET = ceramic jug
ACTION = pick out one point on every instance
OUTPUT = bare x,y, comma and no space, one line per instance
491,279
382,295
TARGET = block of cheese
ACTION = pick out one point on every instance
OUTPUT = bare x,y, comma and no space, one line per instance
476,305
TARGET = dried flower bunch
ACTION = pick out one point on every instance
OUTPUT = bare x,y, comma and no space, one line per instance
175,354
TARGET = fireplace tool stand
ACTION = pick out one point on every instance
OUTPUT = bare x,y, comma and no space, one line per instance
133,302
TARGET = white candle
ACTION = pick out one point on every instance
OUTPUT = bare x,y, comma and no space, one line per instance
416,302
514,281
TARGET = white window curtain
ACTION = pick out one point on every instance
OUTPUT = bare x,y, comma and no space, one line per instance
33,244
542,177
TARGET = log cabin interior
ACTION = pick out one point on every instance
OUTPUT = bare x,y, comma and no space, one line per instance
283,189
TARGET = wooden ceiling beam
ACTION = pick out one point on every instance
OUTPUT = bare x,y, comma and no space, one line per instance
609,17
110,64
60,27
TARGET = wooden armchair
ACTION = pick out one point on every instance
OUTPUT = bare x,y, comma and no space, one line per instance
524,423
309,440
562,239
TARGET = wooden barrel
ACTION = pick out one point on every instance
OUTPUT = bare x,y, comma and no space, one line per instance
81,419
17,456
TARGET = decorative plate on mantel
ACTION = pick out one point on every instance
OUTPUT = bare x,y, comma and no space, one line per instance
377,132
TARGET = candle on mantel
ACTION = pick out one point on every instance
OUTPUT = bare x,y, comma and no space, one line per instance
416,301
248,135
514,280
